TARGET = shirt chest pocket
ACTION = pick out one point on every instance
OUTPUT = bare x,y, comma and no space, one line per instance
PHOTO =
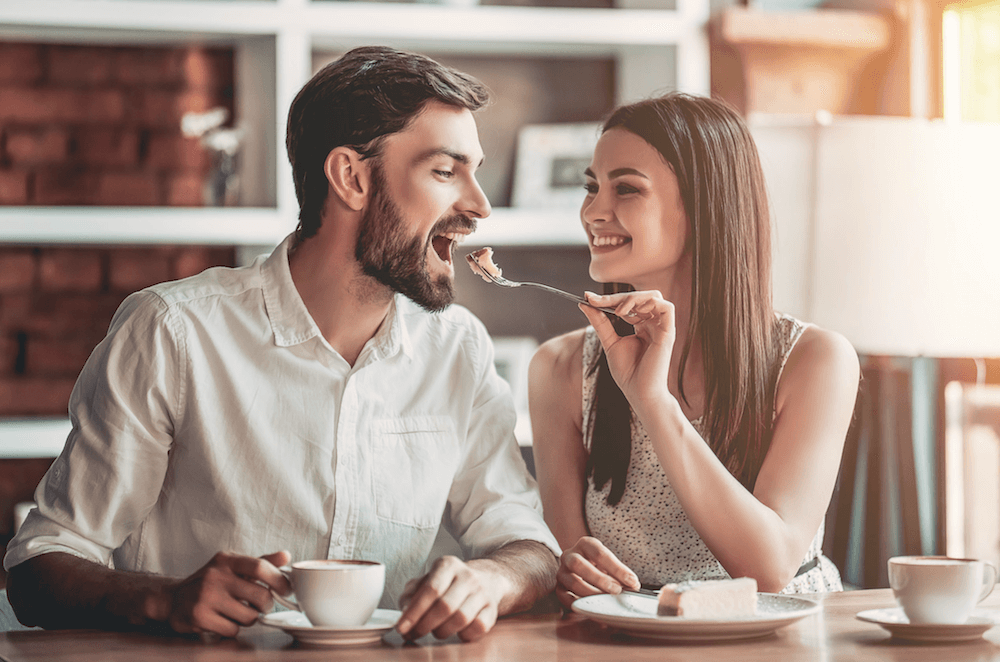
413,468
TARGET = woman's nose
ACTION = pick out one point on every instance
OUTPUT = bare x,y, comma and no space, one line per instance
594,210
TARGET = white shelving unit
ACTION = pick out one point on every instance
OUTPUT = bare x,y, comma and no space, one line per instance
274,41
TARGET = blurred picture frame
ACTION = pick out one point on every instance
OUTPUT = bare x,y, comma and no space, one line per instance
551,159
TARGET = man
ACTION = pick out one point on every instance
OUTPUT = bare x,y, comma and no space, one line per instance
325,401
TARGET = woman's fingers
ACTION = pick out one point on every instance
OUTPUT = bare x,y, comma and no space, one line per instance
648,312
604,559
566,599
633,306
572,582
589,568
602,325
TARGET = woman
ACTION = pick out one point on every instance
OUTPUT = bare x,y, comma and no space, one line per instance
707,443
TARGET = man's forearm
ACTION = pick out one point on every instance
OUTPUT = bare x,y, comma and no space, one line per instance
59,590
530,569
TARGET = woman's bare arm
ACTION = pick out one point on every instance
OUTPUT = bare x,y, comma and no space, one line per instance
556,402
555,387
764,534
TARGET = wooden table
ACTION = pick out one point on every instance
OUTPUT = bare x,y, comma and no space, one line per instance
834,634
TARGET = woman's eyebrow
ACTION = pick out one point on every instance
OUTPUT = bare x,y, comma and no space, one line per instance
617,172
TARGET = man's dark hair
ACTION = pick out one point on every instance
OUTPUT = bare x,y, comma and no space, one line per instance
356,101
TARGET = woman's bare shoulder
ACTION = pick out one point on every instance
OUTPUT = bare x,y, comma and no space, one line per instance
823,346
555,376
561,356
820,355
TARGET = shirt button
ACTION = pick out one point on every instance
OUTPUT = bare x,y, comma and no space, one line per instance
342,540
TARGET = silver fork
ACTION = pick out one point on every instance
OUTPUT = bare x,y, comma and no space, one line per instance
504,282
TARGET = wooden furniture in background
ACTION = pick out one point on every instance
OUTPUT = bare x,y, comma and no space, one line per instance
801,62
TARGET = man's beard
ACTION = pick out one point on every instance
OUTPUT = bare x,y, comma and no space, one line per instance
399,262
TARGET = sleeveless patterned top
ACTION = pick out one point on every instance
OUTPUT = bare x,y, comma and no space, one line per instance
648,530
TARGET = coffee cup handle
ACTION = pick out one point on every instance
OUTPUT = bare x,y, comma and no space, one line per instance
288,603
988,570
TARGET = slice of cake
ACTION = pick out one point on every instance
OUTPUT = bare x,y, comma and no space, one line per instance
709,599
481,262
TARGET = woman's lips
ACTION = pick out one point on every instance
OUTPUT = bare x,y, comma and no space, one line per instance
608,240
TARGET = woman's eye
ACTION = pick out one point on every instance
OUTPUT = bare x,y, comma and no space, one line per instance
590,188
625,189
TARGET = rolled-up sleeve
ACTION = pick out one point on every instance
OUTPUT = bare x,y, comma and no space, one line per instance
494,500
111,470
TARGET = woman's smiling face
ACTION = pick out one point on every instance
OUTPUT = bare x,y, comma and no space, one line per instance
633,213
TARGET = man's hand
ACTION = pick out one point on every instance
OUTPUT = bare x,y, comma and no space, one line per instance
229,591
455,597
59,590
466,599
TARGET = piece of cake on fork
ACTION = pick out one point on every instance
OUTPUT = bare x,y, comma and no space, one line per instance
709,599
481,262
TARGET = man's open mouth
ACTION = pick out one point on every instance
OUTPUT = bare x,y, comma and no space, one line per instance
444,244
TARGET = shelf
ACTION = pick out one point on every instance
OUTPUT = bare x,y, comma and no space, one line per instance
832,28
141,225
477,29
33,437
274,40
530,227
800,62
242,226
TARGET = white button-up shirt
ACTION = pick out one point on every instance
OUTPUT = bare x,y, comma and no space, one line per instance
215,416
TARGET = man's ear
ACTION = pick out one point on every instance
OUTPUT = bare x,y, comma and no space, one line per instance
349,177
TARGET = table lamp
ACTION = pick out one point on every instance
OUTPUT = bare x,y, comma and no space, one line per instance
888,231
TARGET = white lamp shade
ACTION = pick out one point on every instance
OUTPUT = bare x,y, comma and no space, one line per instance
896,241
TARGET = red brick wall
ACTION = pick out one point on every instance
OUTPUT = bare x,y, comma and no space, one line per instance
55,306
90,125
100,125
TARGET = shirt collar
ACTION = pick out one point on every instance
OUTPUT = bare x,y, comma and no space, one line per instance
292,324
290,320
393,336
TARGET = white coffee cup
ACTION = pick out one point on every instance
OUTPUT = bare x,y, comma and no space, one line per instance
939,589
334,593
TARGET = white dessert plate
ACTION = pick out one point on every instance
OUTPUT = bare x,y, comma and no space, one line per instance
636,615
896,622
297,625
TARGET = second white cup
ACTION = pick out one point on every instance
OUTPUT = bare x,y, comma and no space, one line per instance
335,593
939,589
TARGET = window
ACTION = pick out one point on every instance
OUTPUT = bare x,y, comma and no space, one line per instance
971,61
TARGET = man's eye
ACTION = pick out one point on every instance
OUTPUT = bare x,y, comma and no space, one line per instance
444,173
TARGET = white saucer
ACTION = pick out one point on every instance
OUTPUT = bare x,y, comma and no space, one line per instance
297,625
637,615
896,622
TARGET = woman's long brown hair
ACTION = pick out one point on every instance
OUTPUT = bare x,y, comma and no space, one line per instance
711,152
